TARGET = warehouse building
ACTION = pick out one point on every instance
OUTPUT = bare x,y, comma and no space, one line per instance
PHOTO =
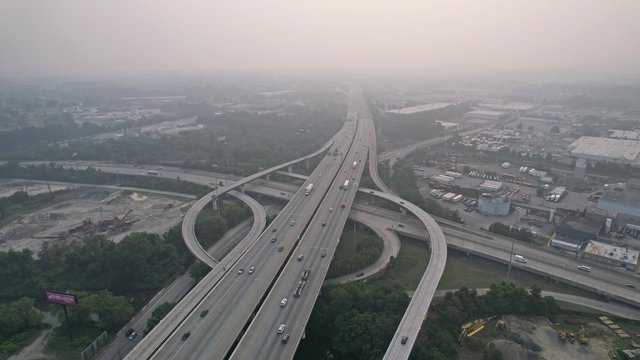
626,201
606,149
578,229
611,254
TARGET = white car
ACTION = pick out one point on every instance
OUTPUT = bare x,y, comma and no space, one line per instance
281,328
283,302
252,269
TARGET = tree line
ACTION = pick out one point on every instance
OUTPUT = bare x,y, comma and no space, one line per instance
90,175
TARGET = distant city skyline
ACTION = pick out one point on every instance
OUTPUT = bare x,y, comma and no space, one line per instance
579,38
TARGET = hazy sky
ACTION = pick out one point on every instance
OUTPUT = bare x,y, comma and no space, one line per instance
67,37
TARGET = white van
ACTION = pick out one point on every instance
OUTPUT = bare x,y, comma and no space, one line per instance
520,258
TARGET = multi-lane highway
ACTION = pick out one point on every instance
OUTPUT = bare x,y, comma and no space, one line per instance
223,314
229,305
315,251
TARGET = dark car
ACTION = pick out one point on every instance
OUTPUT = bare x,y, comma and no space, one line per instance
204,313
128,332
285,338
185,336
404,340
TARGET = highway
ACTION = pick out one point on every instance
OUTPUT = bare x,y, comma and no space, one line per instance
261,339
254,343
233,299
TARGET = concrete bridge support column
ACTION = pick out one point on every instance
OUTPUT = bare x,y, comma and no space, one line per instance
290,168
403,211
242,189
214,204
308,163
268,177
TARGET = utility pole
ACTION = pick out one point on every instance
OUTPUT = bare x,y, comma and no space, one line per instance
513,243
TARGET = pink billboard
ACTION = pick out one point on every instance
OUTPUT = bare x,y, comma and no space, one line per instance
61,298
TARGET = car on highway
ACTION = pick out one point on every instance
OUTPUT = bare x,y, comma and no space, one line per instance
324,253
128,332
330,209
584,268
240,271
280,248
404,340
324,224
400,225
273,239
371,192
630,286
252,269
281,328
274,229
300,257
283,302
343,206
520,258
293,222
402,202
185,336
204,312
285,338
132,335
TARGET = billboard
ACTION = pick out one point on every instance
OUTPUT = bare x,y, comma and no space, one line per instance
61,298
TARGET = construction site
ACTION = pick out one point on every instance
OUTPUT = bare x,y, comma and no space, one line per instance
96,211
536,338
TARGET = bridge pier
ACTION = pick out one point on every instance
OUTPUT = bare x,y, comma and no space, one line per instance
403,211
268,177
307,163
242,189
290,168
214,204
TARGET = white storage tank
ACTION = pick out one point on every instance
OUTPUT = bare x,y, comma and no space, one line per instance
494,205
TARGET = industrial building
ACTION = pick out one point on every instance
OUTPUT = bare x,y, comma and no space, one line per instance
606,149
611,254
494,205
578,229
485,115
626,201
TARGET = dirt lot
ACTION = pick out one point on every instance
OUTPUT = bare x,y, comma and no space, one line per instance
526,336
151,213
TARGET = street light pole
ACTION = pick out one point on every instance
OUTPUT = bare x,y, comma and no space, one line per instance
513,243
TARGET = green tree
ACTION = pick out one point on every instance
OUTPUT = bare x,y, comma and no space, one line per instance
158,314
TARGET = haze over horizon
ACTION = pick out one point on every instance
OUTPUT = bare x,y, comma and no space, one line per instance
76,37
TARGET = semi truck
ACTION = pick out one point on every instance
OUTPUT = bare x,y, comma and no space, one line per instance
308,189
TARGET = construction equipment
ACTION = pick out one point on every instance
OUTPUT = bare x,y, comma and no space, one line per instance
501,325
582,337
563,336
572,337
